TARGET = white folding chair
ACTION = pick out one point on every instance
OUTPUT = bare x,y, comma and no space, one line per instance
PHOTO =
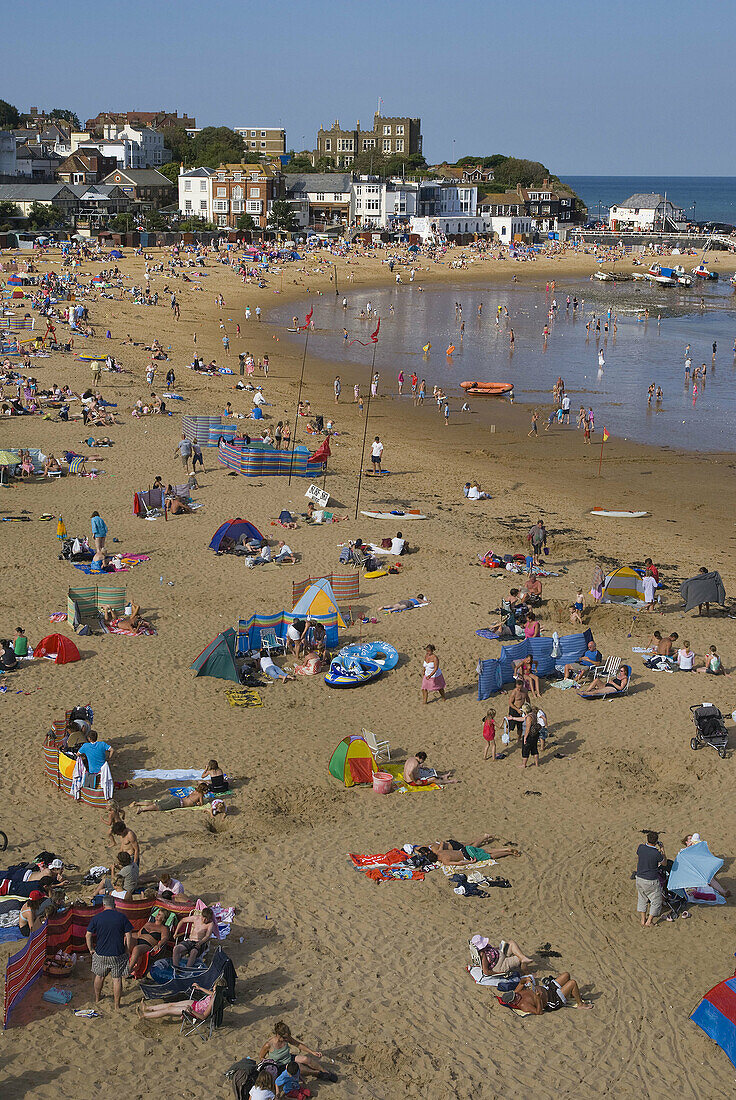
378,748
270,642
609,669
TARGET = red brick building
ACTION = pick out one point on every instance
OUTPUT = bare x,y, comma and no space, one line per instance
238,189
157,120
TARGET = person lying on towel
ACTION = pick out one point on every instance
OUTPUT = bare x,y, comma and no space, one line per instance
612,687
406,605
451,853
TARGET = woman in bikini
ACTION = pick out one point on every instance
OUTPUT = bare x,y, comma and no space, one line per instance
151,937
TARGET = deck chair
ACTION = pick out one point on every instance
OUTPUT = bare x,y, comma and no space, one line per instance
475,959
193,1025
146,512
76,466
270,642
378,748
609,669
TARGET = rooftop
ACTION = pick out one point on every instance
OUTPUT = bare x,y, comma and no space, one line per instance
335,182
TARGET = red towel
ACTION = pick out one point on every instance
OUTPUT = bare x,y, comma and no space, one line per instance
396,855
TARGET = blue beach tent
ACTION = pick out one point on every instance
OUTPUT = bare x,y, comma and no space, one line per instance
233,529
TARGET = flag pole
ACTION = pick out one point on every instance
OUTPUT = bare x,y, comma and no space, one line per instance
365,429
600,460
298,400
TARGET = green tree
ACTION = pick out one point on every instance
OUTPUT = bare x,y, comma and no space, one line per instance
68,116
245,223
282,218
193,223
9,117
178,141
215,145
170,170
302,164
514,170
155,220
9,210
122,223
40,216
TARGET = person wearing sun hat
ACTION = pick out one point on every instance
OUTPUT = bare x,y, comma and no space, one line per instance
500,960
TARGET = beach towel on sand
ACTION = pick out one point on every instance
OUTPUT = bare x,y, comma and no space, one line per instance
382,859
143,630
394,874
243,697
400,784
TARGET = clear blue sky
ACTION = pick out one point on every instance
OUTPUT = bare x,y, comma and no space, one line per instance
628,88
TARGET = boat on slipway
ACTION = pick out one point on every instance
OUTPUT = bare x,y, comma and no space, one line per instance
487,389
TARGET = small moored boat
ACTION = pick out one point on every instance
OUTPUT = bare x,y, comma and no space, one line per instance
487,389
702,272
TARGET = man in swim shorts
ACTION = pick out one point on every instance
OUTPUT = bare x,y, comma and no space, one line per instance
547,995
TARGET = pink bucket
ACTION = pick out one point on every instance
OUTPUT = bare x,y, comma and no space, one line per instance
382,782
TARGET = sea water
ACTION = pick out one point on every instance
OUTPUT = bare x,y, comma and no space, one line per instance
703,198
642,351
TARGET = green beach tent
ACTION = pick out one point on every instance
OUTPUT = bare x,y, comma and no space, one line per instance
218,659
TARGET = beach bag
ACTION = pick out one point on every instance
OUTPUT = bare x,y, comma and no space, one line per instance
57,996
344,555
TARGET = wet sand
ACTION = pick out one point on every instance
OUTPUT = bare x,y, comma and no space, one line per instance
375,975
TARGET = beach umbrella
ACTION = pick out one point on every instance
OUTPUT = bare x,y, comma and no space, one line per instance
61,529
693,867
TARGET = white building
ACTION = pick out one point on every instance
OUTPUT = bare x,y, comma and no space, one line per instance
195,193
132,146
391,204
8,164
646,212
437,227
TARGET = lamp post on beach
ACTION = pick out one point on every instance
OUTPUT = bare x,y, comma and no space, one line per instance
374,338
336,290
307,325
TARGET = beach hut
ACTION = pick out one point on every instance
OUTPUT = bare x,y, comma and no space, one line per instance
57,648
352,761
318,604
218,658
233,529
623,584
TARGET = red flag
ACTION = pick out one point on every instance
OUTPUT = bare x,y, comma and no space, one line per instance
322,453
605,436
307,320
374,335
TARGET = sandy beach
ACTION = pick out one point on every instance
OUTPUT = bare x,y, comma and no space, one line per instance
374,975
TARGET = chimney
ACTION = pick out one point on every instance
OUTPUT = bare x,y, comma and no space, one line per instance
545,184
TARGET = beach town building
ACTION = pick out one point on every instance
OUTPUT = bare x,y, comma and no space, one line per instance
85,167
320,200
505,216
130,146
548,208
24,193
263,141
222,195
388,136
8,161
157,120
36,161
646,212
143,185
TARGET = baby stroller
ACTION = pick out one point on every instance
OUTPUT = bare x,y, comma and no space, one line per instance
710,728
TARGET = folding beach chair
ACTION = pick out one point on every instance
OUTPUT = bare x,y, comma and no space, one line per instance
378,748
270,642
609,669
192,1025
76,466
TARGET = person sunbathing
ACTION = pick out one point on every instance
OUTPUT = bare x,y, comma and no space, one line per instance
202,928
314,662
545,996
609,687
152,937
499,960
178,507
451,853
405,605
51,465
200,1007
174,801
133,621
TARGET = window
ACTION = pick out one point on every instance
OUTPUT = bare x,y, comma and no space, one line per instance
372,204
387,145
345,145
188,206
369,143
222,219
187,185
254,175
399,145
253,207
253,144
328,145
252,133
221,192
255,192
237,206
220,176
236,193
387,129
219,205
320,196
338,196
203,185
263,145
203,205
399,129
263,133
237,177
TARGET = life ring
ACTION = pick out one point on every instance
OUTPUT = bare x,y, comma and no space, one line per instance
450,349
383,654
